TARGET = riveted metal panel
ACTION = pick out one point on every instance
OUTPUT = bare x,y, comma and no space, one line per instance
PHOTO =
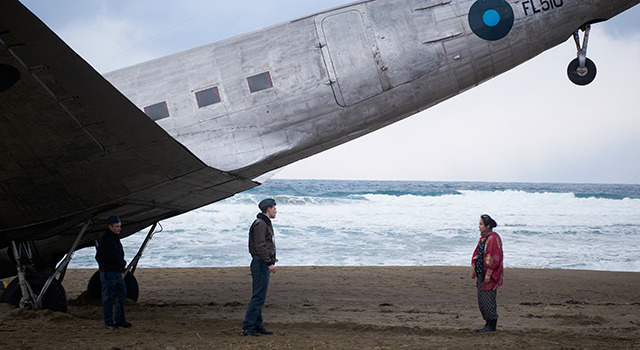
350,57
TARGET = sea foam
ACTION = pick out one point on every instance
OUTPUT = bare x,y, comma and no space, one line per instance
360,223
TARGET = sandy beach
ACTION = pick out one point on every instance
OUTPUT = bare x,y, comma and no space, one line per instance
344,308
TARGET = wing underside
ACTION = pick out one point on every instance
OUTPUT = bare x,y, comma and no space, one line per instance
73,148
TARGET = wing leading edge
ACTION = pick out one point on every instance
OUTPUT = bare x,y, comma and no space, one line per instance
72,147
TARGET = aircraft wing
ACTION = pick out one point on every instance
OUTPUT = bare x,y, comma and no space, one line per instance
72,147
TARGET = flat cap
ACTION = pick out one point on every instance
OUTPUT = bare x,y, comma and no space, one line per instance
265,203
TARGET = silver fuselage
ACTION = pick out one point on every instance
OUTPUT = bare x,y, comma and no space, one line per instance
339,74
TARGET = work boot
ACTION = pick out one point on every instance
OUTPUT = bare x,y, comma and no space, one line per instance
251,332
264,331
491,326
483,328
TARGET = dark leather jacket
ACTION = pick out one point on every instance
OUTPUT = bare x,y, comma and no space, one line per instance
261,240
110,255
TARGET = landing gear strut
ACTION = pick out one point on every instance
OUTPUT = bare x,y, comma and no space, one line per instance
581,70
94,287
35,290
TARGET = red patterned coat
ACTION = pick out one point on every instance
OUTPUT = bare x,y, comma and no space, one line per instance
492,259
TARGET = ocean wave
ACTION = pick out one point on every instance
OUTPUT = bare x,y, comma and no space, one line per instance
406,223
602,196
316,190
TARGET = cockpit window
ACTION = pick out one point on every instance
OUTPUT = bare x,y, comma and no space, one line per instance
157,111
208,96
260,82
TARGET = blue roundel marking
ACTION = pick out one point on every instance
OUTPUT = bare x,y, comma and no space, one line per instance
491,19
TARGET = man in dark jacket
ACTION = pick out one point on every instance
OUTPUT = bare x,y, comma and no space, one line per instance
263,250
110,258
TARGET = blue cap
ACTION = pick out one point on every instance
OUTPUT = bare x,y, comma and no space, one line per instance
113,219
265,203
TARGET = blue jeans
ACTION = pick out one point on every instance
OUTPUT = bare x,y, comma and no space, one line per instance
113,286
260,273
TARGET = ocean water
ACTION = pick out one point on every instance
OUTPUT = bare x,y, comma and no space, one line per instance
405,223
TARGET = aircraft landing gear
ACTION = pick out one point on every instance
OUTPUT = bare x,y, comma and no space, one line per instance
581,70
94,287
36,290
55,298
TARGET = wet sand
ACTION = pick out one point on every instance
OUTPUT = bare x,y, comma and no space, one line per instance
344,308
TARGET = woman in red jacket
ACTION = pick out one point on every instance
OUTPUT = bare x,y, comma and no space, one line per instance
486,265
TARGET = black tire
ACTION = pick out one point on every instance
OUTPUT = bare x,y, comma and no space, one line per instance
572,72
132,287
94,287
55,299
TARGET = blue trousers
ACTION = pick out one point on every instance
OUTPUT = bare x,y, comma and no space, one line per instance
260,273
113,286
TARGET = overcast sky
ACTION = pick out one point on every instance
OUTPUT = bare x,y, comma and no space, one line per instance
530,124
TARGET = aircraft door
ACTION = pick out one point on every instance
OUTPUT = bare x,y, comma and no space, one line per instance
349,57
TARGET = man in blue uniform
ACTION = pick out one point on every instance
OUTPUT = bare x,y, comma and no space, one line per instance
110,258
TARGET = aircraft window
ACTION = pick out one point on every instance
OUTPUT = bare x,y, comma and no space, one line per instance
157,111
208,97
260,82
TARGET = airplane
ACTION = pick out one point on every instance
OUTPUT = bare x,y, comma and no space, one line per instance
164,137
